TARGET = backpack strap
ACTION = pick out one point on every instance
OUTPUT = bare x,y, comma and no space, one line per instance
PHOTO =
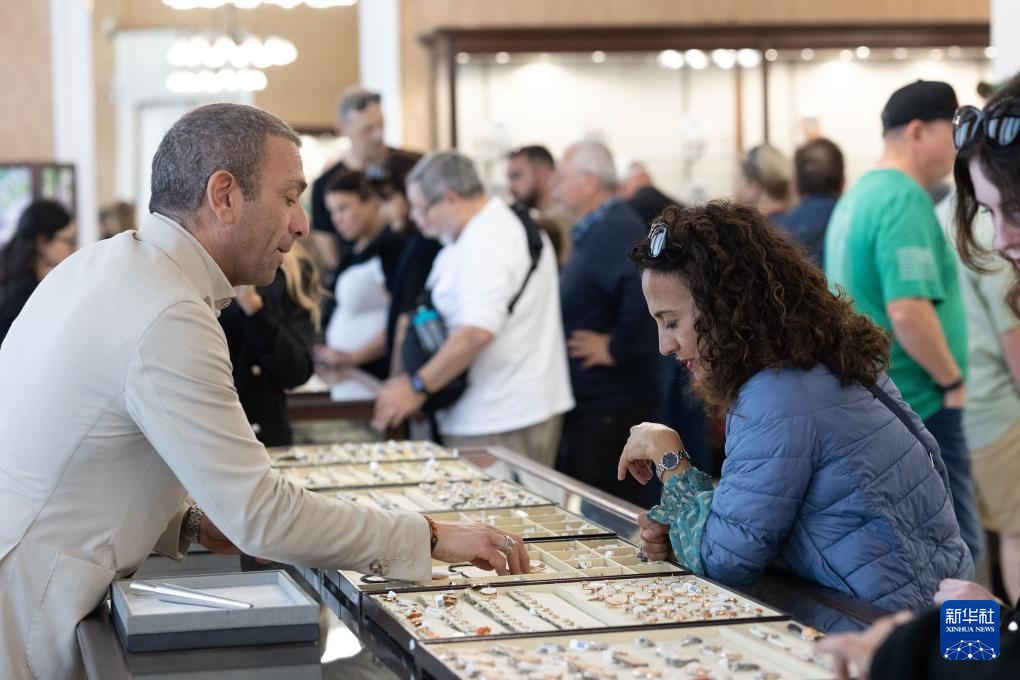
534,236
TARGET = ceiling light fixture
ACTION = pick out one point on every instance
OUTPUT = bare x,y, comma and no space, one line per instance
252,4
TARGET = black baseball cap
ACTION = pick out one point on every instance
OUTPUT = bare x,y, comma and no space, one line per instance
925,100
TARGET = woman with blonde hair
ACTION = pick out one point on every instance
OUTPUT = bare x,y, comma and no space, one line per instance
270,333
765,180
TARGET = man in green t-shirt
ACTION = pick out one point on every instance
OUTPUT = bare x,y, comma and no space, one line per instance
886,247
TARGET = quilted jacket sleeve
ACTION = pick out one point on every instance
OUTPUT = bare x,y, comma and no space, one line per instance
769,465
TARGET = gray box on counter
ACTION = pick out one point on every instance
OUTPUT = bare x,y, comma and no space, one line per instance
282,613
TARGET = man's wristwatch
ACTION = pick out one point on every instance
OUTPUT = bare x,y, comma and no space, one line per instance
955,385
671,461
434,533
418,385
193,524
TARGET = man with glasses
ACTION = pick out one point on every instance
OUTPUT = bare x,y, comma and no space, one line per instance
504,322
886,248
360,119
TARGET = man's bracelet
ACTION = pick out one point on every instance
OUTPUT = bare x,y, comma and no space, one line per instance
434,531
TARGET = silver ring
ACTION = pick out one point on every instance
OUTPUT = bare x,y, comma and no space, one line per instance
508,546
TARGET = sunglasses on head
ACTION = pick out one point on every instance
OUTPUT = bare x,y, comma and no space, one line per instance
1000,120
657,237
361,102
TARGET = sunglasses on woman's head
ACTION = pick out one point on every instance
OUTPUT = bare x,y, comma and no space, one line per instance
657,237
1000,120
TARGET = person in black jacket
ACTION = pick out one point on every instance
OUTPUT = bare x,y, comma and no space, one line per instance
270,332
610,337
901,647
44,237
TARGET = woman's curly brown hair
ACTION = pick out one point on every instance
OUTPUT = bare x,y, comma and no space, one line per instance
761,303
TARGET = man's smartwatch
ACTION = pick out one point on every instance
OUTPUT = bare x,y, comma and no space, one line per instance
418,385
671,461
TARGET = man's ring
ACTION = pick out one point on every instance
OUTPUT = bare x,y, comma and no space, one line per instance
508,546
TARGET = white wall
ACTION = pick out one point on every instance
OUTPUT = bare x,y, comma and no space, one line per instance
145,109
658,116
379,57
74,107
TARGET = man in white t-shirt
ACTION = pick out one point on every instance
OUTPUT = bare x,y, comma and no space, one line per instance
518,381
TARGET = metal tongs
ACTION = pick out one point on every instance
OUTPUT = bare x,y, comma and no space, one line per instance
182,595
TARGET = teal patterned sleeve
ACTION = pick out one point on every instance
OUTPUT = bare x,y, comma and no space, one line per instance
684,506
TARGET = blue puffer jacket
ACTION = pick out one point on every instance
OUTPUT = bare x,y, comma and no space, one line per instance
826,482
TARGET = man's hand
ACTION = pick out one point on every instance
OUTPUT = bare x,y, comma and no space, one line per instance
481,545
331,358
248,299
654,539
591,348
955,398
955,589
213,539
858,649
647,443
397,401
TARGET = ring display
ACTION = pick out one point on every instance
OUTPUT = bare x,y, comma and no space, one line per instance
574,605
440,496
763,651
317,477
374,452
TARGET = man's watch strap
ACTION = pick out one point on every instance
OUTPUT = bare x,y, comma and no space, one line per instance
434,531
955,385
192,526
418,385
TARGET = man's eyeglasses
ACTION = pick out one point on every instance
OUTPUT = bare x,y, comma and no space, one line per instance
359,102
1000,120
657,237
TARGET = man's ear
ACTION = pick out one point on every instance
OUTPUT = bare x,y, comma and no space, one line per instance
914,130
223,194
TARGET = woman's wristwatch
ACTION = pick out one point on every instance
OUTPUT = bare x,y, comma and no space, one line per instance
671,461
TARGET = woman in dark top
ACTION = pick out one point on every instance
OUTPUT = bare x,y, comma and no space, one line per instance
270,333
44,237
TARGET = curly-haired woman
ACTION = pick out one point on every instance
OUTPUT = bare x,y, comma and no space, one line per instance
828,472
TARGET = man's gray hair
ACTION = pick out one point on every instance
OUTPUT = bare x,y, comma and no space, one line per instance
442,171
594,158
355,98
215,137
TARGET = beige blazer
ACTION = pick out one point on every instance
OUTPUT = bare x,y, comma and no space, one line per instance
116,403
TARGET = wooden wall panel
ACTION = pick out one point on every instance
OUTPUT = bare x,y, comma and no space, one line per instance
26,90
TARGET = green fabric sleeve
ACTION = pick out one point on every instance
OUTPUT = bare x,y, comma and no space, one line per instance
684,506
907,249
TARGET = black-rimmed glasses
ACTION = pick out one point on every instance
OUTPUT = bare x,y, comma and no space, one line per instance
657,237
1000,120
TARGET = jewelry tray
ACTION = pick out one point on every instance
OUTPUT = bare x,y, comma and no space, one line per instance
444,496
763,651
570,605
550,561
283,613
374,452
319,477
530,523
